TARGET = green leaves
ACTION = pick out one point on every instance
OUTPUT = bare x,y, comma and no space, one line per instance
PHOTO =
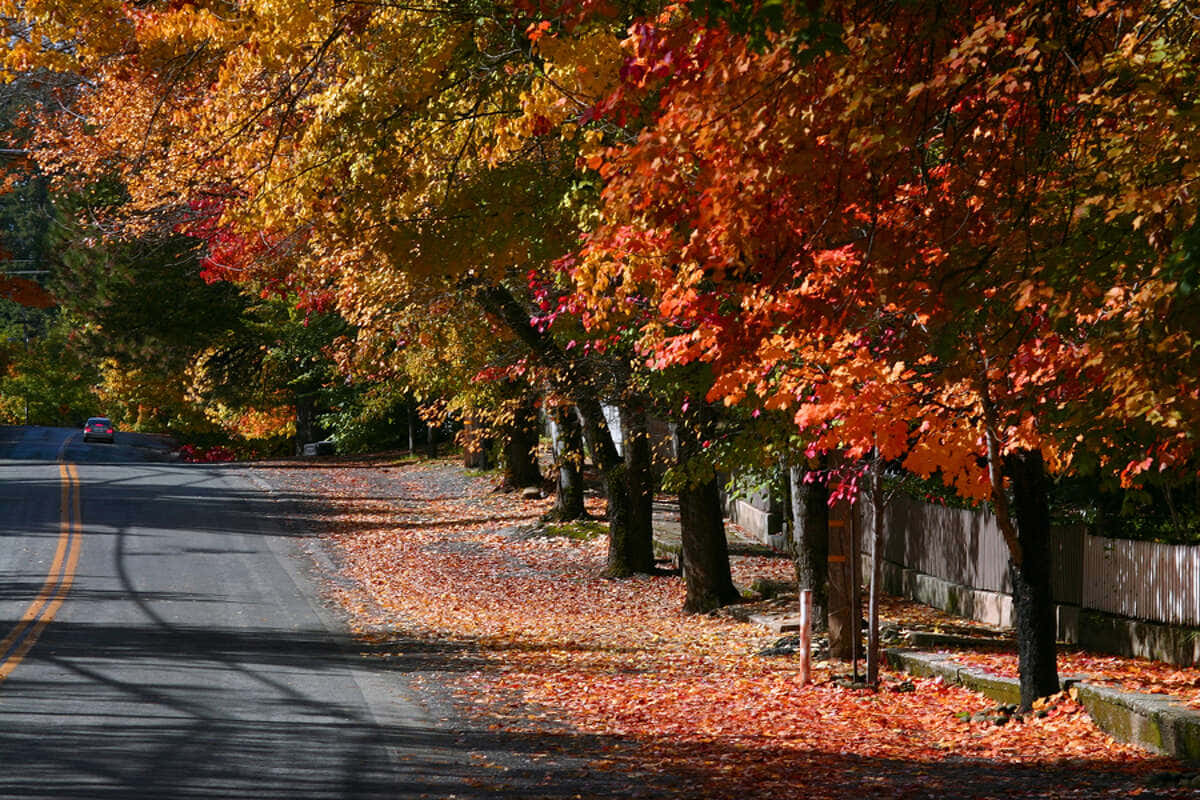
766,22
1184,264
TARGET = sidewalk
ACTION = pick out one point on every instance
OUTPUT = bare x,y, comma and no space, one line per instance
1158,722
437,571
667,542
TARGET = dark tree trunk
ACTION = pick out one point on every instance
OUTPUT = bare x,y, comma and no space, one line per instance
305,422
627,554
845,606
705,550
1033,599
639,465
810,531
574,380
568,458
431,440
520,447
705,553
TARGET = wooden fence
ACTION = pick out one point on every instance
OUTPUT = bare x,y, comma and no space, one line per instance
1142,580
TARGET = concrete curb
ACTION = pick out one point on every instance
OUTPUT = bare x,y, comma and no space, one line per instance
1159,723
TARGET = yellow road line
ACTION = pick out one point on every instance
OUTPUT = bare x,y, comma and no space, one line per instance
59,578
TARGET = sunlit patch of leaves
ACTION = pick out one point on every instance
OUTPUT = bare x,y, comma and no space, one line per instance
430,551
582,530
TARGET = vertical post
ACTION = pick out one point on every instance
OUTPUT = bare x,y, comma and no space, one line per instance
855,591
805,636
412,428
842,613
24,386
877,506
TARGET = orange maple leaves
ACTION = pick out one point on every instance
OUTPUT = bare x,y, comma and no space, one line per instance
882,238
551,643
879,238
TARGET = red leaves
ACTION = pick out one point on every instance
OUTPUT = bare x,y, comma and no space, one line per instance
24,292
206,455
426,549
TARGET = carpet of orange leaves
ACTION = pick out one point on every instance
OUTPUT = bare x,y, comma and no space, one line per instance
438,554
1127,674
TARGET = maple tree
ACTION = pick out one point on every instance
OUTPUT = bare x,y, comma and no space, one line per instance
281,134
45,379
963,241
922,251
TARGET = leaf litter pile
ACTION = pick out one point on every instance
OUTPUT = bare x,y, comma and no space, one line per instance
684,705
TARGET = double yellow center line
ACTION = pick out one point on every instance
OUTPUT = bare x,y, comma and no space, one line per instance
58,582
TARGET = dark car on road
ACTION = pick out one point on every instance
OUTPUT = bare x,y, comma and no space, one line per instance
98,429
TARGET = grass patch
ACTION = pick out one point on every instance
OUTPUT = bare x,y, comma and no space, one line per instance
580,529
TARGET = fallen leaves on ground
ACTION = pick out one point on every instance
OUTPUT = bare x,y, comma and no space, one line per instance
1126,673
440,554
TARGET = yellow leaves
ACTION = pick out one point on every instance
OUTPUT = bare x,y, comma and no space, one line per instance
286,15
179,33
592,149
577,72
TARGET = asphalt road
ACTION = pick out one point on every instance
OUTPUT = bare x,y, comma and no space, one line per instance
163,639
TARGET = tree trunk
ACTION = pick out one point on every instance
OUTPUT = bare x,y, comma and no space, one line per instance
475,444
1033,599
568,459
520,447
305,417
705,549
626,554
810,533
845,609
574,380
639,477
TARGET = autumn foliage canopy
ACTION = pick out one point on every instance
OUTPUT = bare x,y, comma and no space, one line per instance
945,236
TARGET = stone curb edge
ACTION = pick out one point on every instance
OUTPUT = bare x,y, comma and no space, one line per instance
1159,723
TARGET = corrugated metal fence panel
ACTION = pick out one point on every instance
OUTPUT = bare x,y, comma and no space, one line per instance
1144,580
959,545
1101,590
1066,561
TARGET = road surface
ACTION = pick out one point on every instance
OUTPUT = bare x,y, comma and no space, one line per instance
163,640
